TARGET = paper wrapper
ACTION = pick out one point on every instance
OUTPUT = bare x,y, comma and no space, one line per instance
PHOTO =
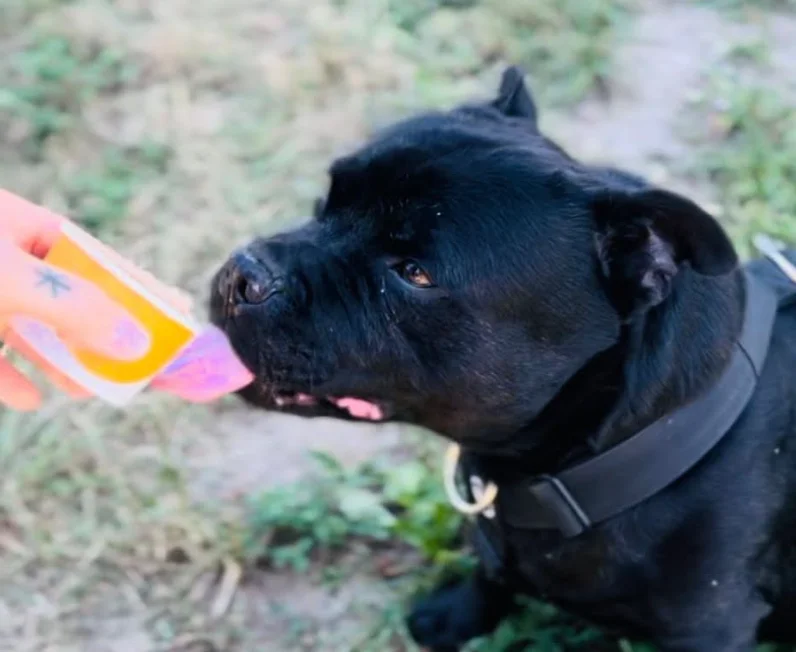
196,362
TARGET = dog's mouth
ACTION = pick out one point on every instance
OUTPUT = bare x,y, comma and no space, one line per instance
356,408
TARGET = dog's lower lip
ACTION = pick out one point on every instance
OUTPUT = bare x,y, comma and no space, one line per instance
357,408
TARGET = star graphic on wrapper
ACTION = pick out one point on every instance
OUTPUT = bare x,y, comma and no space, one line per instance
53,281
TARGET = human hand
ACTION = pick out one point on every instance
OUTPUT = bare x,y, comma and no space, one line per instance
80,312
85,317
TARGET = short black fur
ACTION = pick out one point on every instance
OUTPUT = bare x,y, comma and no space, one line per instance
570,306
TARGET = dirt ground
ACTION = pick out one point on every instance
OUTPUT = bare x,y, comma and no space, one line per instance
85,549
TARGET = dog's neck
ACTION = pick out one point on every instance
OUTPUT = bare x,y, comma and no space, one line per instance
662,360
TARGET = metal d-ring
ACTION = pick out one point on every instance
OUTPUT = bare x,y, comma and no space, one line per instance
450,469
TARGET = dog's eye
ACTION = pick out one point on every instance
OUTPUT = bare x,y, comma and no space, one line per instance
413,274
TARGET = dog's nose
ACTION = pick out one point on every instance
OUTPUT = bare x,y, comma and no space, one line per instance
247,280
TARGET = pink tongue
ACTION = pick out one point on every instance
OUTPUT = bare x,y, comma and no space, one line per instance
360,409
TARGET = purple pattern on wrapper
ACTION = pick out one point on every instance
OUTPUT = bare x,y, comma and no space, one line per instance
36,333
127,336
206,369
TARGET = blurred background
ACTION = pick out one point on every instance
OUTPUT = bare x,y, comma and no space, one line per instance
175,130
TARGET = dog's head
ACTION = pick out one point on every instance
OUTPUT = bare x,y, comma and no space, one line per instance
460,271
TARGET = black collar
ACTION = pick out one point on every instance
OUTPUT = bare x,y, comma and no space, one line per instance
590,492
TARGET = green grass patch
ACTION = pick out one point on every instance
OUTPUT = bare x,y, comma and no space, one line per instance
542,628
403,503
50,80
98,197
752,160
566,47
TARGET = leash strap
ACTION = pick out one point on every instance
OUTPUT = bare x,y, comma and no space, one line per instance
638,468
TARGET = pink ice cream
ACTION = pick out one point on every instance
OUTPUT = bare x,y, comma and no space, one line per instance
206,370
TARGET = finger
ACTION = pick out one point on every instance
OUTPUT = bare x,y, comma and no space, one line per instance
16,391
35,229
31,227
76,308
57,378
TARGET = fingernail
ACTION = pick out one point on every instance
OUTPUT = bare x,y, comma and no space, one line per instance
129,339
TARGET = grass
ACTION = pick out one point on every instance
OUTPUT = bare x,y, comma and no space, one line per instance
567,45
755,164
98,198
51,81
177,131
404,503
750,150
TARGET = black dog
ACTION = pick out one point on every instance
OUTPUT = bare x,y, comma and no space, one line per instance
465,274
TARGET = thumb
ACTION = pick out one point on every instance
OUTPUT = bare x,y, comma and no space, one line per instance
78,310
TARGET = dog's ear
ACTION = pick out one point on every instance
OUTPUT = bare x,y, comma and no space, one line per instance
645,237
514,99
